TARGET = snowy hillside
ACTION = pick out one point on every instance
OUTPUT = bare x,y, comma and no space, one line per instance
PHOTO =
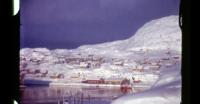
159,34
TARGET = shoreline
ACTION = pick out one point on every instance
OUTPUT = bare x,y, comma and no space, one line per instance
83,84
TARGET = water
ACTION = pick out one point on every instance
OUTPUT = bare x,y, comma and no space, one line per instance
70,95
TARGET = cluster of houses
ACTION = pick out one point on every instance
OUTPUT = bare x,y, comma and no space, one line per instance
126,85
155,65
123,82
36,61
103,81
89,61
39,74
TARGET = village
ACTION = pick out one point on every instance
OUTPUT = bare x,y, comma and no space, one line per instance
92,69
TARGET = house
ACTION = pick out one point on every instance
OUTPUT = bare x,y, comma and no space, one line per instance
115,81
38,74
30,71
136,81
94,81
168,64
73,60
53,76
44,73
60,76
90,64
37,71
103,81
118,63
138,68
83,64
95,64
165,58
154,67
176,57
168,52
154,63
76,76
146,61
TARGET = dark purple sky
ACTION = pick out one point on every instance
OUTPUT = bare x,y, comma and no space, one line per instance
71,23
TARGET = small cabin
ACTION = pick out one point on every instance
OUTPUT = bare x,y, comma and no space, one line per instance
165,58
176,57
136,81
53,77
83,64
139,68
60,76
154,67
118,63
154,63
38,75
30,71
37,71
44,71
75,76
168,64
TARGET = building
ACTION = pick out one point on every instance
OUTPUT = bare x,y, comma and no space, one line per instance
154,67
139,68
118,63
113,81
104,81
94,81
83,64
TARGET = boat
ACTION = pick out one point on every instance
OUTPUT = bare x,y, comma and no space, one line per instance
32,82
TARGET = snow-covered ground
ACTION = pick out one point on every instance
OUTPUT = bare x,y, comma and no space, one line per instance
167,89
152,57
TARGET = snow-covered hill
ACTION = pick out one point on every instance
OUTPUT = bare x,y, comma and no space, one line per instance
158,34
